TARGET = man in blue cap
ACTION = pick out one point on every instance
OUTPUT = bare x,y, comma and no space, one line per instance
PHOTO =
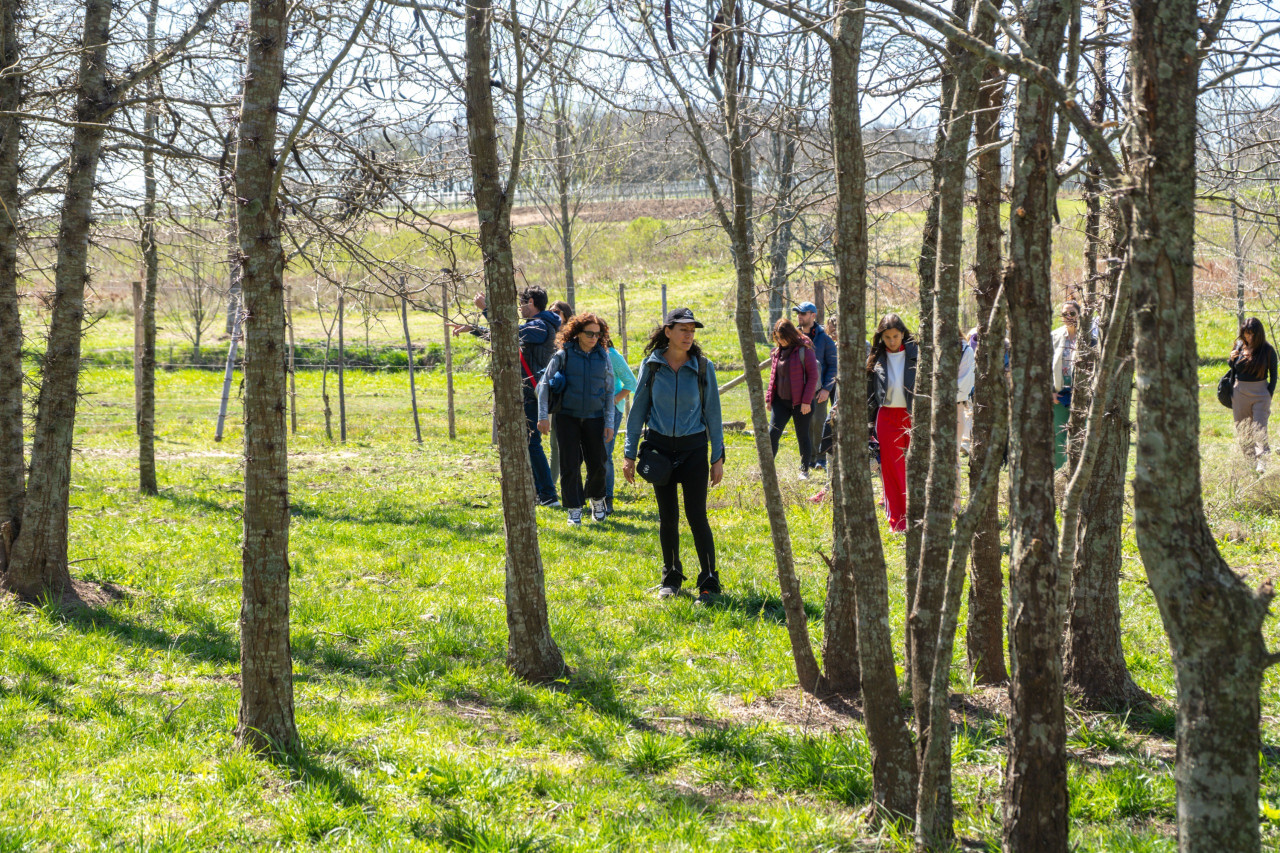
825,350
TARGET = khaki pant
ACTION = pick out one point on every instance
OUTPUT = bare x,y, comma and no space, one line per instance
1251,406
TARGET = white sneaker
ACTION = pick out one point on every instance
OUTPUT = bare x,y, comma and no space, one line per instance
599,509
575,517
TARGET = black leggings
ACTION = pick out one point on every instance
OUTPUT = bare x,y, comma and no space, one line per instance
783,411
581,440
691,475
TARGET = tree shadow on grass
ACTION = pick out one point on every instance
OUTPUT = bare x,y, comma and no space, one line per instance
763,606
408,516
304,766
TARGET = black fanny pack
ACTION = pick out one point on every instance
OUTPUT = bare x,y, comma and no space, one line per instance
660,455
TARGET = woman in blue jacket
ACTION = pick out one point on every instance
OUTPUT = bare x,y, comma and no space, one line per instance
581,374
677,406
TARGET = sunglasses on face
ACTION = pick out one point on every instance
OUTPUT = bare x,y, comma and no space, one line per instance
1067,315
590,334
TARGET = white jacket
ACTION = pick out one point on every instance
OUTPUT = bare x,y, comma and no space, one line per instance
1059,345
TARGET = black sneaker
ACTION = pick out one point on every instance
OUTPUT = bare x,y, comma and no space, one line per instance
551,502
706,598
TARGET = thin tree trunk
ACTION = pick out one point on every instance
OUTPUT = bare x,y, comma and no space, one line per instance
934,822
984,636
151,258
266,667
293,385
408,348
531,651
12,461
918,454
562,166
1237,247
1213,620
783,221
747,316
38,562
858,559
1035,802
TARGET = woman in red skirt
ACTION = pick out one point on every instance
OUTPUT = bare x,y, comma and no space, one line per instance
891,382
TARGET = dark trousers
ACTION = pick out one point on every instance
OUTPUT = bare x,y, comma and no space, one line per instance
542,482
581,440
691,476
783,411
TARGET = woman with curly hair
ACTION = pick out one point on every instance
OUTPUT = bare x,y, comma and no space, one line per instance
891,384
581,376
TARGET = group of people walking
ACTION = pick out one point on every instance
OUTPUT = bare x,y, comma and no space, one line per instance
577,384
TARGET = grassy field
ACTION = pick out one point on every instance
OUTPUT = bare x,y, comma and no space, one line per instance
680,729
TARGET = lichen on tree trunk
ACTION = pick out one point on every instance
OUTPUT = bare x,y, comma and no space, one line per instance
12,462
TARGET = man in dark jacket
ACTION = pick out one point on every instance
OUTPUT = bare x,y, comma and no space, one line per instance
825,350
537,345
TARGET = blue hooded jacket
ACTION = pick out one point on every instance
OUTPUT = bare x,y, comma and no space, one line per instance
537,341
673,406
825,350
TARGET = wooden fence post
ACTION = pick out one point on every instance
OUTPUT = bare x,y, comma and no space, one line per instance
448,357
342,392
293,384
137,353
408,344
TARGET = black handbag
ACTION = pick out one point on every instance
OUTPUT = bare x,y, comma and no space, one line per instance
1226,387
654,465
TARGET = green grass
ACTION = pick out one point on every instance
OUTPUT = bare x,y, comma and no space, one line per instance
680,729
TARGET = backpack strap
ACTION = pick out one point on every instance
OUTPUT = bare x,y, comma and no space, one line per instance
527,372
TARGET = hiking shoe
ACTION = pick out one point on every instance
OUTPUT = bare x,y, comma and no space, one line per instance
705,598
598,509
575,517
668,591
551,502
804,474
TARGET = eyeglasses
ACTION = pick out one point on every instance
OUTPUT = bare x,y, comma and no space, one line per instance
590,334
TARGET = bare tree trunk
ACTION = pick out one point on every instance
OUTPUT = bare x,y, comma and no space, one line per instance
531,651
783,219
918,454
151,259
266,666
858,560
12,462
38,562
1237,247
1213,620
563,165
934,820
747,316
1035,802
984,637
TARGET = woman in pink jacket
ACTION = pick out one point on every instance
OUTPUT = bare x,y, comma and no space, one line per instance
793,382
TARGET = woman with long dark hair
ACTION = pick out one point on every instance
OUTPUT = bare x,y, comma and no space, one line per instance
891,383
793,382
581,374
1254,363
677,408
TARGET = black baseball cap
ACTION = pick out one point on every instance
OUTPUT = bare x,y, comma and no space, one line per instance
681,315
